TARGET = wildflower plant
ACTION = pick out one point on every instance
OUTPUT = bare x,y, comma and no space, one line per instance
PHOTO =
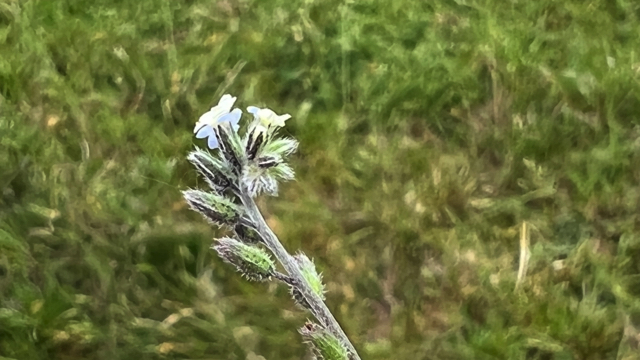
240,168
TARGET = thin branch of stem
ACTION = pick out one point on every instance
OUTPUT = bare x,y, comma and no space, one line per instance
318,308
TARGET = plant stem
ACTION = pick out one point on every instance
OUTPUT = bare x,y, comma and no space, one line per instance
318,307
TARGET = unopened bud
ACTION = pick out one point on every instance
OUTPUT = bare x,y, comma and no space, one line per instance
215,208
251,261
215,171
324,345
310,274
231,147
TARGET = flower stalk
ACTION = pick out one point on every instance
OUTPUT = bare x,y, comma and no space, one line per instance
318,308
241,169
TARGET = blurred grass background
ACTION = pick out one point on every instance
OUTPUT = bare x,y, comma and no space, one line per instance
437,139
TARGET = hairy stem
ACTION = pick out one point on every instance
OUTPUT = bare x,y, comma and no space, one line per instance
318,307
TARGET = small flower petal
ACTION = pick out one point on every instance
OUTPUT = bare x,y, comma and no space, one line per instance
267,117
233,118
199,125
206,126
227,101
279,120
213,142
204,132
212,116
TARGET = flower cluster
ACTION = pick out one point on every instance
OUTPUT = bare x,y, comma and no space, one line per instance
265,120
258,157
240,168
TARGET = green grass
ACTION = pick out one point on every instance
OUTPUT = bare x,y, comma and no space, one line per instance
429,133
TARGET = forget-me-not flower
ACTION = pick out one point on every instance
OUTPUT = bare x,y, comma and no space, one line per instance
267,117
219,114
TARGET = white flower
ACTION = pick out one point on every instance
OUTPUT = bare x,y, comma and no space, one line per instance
267,117
221,113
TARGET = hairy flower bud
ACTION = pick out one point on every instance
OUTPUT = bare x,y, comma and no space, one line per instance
251,261
281,147
214,170
255,139
215,208
310,274
231,147
324,345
